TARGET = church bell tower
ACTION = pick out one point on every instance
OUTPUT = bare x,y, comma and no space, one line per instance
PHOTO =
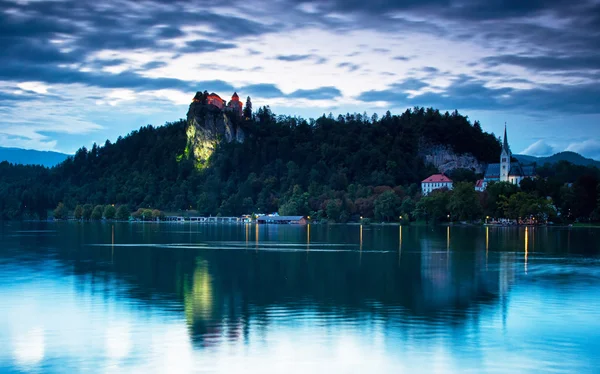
505,159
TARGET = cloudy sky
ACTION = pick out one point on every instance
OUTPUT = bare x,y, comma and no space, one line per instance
77,72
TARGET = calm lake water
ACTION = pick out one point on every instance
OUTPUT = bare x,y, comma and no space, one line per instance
144,298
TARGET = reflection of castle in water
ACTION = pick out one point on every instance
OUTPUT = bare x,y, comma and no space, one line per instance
424,273
225,295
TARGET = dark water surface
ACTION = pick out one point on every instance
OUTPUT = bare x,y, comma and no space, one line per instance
145,298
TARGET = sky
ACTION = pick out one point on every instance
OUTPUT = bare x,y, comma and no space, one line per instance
77,72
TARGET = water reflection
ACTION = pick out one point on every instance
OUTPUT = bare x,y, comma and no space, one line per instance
177,298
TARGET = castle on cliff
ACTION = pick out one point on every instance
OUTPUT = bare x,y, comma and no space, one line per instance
234,105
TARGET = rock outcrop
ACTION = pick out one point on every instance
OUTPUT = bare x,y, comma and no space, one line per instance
444,158
207,126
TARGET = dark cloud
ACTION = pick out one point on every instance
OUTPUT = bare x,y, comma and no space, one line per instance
350,66
547,63
201,46
293,57
264,90
154,65
401,58
469,93
430,69
322,93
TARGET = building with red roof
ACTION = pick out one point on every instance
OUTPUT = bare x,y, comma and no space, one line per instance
480,185
214,99
435,182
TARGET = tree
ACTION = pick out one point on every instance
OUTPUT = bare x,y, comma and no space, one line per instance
433,207
122,213
157,214
78,212
333,210
464,203
386,206
97,213
463,175
498,194
248,109
61,211
147,214
110,212
87,211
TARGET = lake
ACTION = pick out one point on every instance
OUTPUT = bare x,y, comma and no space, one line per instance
156,298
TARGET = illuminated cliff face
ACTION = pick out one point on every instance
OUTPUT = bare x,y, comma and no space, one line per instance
209,124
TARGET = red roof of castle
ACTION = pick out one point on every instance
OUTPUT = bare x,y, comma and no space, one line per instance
437,178
235,96
215,95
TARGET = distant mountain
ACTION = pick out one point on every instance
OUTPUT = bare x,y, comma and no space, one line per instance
31,157
572,157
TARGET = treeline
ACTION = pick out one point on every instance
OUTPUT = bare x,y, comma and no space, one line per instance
88,212
338,169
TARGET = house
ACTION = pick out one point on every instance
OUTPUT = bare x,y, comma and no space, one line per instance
480,185
507,171
435,182
282,220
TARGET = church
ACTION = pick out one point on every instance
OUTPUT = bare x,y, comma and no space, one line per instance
506,171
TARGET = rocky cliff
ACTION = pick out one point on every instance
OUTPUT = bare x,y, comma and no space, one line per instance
444,158
208,125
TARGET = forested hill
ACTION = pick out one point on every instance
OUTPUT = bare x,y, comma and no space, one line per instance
31,157
286,164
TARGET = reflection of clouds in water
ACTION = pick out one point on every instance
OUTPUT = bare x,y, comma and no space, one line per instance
173,351
118,340
29,347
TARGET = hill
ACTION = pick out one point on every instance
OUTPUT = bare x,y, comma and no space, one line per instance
572,157
31,157
221,162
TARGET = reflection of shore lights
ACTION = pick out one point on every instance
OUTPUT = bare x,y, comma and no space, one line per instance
361,237
526,246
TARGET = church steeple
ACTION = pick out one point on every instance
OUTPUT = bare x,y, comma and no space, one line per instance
505,145
505,159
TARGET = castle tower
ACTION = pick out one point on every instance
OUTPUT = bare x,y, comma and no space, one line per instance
505,159
235,104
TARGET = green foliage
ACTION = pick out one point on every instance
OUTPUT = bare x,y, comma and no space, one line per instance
463,175
248,109
339,169
97,213
87,212
122,213
110,212
386,206
78,212
158,215
61,211
147,214
464,203
523,205
434,207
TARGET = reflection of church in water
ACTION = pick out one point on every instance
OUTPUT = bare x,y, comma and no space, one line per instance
451,277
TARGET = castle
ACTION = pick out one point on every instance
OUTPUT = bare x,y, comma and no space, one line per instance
234,105
506,171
